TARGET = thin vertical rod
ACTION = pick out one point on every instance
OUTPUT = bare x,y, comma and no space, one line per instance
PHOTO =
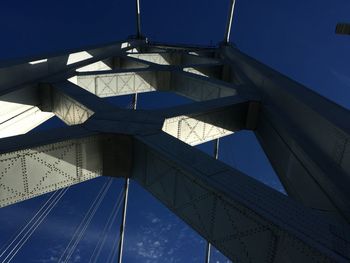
138,19
216,156
229,21
122,225
207,258
125,203
216,149
134,101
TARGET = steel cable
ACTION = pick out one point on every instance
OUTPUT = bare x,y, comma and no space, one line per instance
35,225
114,249
88,222
107,228
16,235
67,253
81,223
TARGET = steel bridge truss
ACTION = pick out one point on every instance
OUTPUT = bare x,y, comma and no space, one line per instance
305,136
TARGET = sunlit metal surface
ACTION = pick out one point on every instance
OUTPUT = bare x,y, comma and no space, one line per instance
241,217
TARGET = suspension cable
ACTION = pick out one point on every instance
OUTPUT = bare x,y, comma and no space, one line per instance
109,223
114,250
77,236
81,223
125,206
37,223
88,222
9,243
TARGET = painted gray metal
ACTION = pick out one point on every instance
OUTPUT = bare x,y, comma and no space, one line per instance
41,169
108,83
20,113
210,120
305,136
246,220
243,218
216,156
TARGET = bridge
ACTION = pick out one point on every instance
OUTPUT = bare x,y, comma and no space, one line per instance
229,92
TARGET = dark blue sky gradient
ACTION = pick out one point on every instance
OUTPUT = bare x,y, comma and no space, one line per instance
295,37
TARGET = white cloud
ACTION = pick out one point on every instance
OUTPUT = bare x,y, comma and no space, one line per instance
160,240
155,220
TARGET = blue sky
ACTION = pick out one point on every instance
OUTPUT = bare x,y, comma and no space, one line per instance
295,37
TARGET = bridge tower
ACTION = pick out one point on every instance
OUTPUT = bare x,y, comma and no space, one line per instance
305,136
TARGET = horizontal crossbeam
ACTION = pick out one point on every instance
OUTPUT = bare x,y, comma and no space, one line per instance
173,58
40,166
193,86
38,163
34,70
200,122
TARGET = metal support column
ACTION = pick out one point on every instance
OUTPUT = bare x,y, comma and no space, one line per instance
216,149
138,19
134,101
216,156
229,22
125,205
122,225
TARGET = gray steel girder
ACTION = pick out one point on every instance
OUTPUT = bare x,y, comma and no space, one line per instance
305,136
38,163
40,167
244,219
19,112
205,121
192,86
36,69
69,110
34,164
172,58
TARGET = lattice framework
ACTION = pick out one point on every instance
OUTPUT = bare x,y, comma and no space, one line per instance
244,219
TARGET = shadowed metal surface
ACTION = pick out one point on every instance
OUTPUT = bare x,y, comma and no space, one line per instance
243,218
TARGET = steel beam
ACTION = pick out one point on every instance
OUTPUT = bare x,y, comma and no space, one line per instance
69,110
55,65
82,97
244,219
38,163
41,167
304,135
199,88
172,58
216,156
192,86
197,123
19,112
